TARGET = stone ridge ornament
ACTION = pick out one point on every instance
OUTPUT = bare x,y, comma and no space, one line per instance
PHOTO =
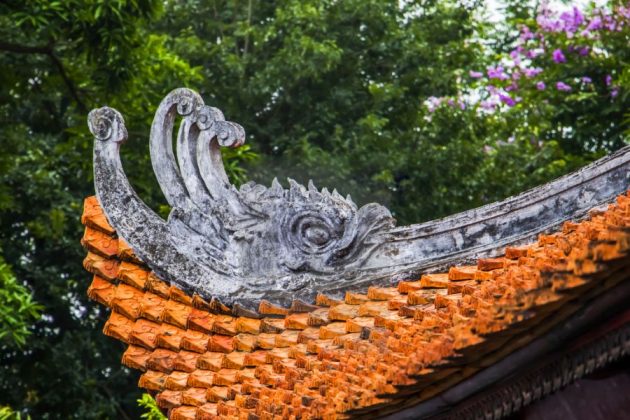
257,242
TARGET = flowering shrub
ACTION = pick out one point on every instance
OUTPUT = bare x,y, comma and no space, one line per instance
564,79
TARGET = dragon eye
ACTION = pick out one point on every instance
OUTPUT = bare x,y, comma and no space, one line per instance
317,235
310,231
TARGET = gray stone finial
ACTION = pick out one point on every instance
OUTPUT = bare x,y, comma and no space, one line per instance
281,244
107,124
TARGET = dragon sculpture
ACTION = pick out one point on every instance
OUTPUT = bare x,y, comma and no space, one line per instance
243,245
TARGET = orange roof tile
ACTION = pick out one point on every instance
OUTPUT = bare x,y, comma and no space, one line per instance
369,351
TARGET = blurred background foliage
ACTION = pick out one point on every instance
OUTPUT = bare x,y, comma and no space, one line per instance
415,104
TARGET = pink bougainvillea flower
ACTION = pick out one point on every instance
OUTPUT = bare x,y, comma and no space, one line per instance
558,56
507,99
546,22
571,20
587,79
578,17
584,51
541,86
526,33
496,73
433,103
563,87
614,92
609,23
475,74
533,53
533,72
595,24
513,86
488,105
608,79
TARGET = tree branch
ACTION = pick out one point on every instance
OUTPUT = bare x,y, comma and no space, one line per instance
49,51
25,49
249,24
113,399
69,83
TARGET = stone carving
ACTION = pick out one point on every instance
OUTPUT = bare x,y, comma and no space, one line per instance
280,244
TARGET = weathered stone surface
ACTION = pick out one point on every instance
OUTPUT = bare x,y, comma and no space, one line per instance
258,242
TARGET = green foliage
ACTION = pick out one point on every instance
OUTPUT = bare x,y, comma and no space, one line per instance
152,411
6,413
567,73
58,60
17,309
330,90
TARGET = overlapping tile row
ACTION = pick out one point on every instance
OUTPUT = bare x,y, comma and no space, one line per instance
368,351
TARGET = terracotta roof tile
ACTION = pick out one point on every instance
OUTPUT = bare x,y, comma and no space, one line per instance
210,361
152,380
323,300
106,268
99,243
94,217
221,343
463,273
136,357
186,361
101,291
267,308
436,280
319,361
488,264
186,412
354,298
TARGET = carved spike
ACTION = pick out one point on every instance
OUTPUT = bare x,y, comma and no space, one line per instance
337,196
294,185
276,187
313,194
247,187
297,192
329,198
311,186
352,203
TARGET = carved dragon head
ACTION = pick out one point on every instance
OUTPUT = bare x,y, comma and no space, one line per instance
247,234
242,245
306,230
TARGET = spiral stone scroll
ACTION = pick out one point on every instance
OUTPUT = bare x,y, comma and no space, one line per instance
281,244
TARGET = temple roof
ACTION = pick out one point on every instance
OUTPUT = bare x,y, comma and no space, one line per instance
375,350
265,301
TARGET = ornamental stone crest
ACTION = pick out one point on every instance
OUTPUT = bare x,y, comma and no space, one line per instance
282,244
